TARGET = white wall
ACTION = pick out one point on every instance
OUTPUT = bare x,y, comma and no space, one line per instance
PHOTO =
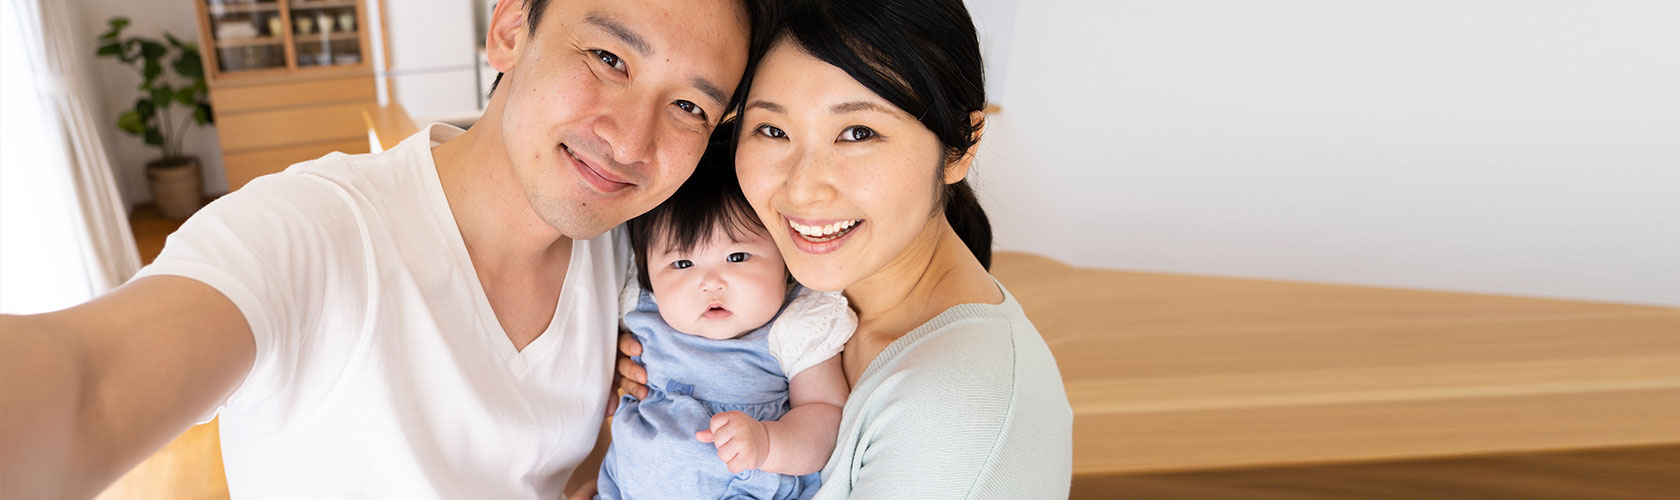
1524,147
119,87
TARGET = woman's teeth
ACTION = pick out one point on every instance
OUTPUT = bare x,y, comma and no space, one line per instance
824,233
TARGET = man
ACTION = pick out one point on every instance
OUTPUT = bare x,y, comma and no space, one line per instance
435,321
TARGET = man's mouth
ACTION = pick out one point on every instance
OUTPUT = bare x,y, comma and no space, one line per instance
600,179
824,233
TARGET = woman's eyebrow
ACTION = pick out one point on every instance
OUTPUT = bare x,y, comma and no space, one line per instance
848,107
767,106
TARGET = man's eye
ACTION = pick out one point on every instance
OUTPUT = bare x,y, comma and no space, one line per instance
609,59
682,264
691,108
857,133
770,131
738,257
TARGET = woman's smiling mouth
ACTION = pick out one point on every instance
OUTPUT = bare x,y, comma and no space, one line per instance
819,237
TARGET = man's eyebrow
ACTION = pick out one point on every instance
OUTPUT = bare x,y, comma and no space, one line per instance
710,89
767,106
620,31
848,107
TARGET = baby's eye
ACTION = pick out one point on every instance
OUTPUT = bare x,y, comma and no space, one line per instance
738,257
682,264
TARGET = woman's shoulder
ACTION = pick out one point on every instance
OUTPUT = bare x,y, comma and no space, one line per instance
978,349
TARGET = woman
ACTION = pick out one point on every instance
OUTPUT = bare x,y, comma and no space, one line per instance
860,124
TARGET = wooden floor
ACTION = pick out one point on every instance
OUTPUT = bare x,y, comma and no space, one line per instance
1173,378
1651,473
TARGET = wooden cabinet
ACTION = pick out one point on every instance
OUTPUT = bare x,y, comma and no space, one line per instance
288,80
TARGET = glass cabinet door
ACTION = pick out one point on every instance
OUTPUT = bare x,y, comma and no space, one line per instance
326,33
248,34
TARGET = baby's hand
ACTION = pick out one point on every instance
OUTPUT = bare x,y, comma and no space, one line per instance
742,442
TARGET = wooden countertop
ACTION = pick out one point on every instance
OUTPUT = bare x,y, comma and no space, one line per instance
1172,372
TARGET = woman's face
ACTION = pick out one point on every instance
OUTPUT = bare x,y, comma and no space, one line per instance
845,181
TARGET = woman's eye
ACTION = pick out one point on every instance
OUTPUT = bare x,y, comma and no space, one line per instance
691,108
771,132
609,59
682,264
738,257
856,133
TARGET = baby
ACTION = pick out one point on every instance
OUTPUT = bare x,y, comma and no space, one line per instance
744,380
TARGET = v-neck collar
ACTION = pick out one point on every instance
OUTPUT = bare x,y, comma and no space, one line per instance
518,361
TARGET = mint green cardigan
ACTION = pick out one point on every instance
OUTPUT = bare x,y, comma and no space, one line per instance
969,405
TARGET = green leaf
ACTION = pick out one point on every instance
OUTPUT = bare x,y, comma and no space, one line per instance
189,65
145,108
119,22
110,49
152,50
153,136
186,96
132,123
174,41
202,114
153,69
129,49
162,95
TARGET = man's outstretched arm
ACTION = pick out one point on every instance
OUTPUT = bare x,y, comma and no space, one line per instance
90,391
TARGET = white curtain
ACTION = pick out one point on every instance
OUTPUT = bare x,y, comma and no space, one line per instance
64,235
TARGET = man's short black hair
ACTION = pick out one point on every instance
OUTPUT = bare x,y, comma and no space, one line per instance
761,20
711,200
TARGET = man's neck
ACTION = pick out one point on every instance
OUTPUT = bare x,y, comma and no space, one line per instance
501,231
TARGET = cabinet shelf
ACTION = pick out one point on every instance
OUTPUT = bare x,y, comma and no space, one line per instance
222,9
323,4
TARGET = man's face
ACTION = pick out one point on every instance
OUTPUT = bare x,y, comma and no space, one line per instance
608,103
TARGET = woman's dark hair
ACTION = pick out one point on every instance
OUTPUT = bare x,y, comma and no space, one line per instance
710,200
923,56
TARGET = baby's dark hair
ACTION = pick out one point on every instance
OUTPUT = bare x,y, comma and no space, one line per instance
710,200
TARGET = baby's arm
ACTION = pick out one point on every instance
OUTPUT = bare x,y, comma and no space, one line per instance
797,444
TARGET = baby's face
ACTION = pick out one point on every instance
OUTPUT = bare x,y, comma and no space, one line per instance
722,288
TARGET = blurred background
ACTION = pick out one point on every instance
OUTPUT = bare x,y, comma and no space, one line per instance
1281,249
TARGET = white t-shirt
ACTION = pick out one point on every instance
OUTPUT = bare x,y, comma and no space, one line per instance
381,371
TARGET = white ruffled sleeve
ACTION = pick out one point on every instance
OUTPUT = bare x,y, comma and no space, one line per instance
629,294
813,328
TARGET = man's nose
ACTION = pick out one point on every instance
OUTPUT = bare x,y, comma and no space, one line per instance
628,125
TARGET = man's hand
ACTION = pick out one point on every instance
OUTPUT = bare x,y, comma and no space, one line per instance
742,442
630,377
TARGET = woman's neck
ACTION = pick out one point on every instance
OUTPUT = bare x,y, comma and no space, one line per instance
932,275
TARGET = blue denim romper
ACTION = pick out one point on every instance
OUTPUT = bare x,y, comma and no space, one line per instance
654,454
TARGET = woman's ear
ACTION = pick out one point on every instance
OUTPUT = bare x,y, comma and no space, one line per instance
957,170
507,34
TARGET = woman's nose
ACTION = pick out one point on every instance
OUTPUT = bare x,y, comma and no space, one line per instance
809,180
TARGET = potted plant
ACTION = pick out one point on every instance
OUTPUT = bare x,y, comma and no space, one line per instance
166,107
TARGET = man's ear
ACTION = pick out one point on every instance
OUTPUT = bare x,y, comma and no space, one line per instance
507,34
957,170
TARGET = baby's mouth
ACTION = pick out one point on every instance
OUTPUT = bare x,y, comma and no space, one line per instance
716,311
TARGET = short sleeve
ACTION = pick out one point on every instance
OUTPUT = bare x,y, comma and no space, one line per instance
288,251
629,293
813,328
